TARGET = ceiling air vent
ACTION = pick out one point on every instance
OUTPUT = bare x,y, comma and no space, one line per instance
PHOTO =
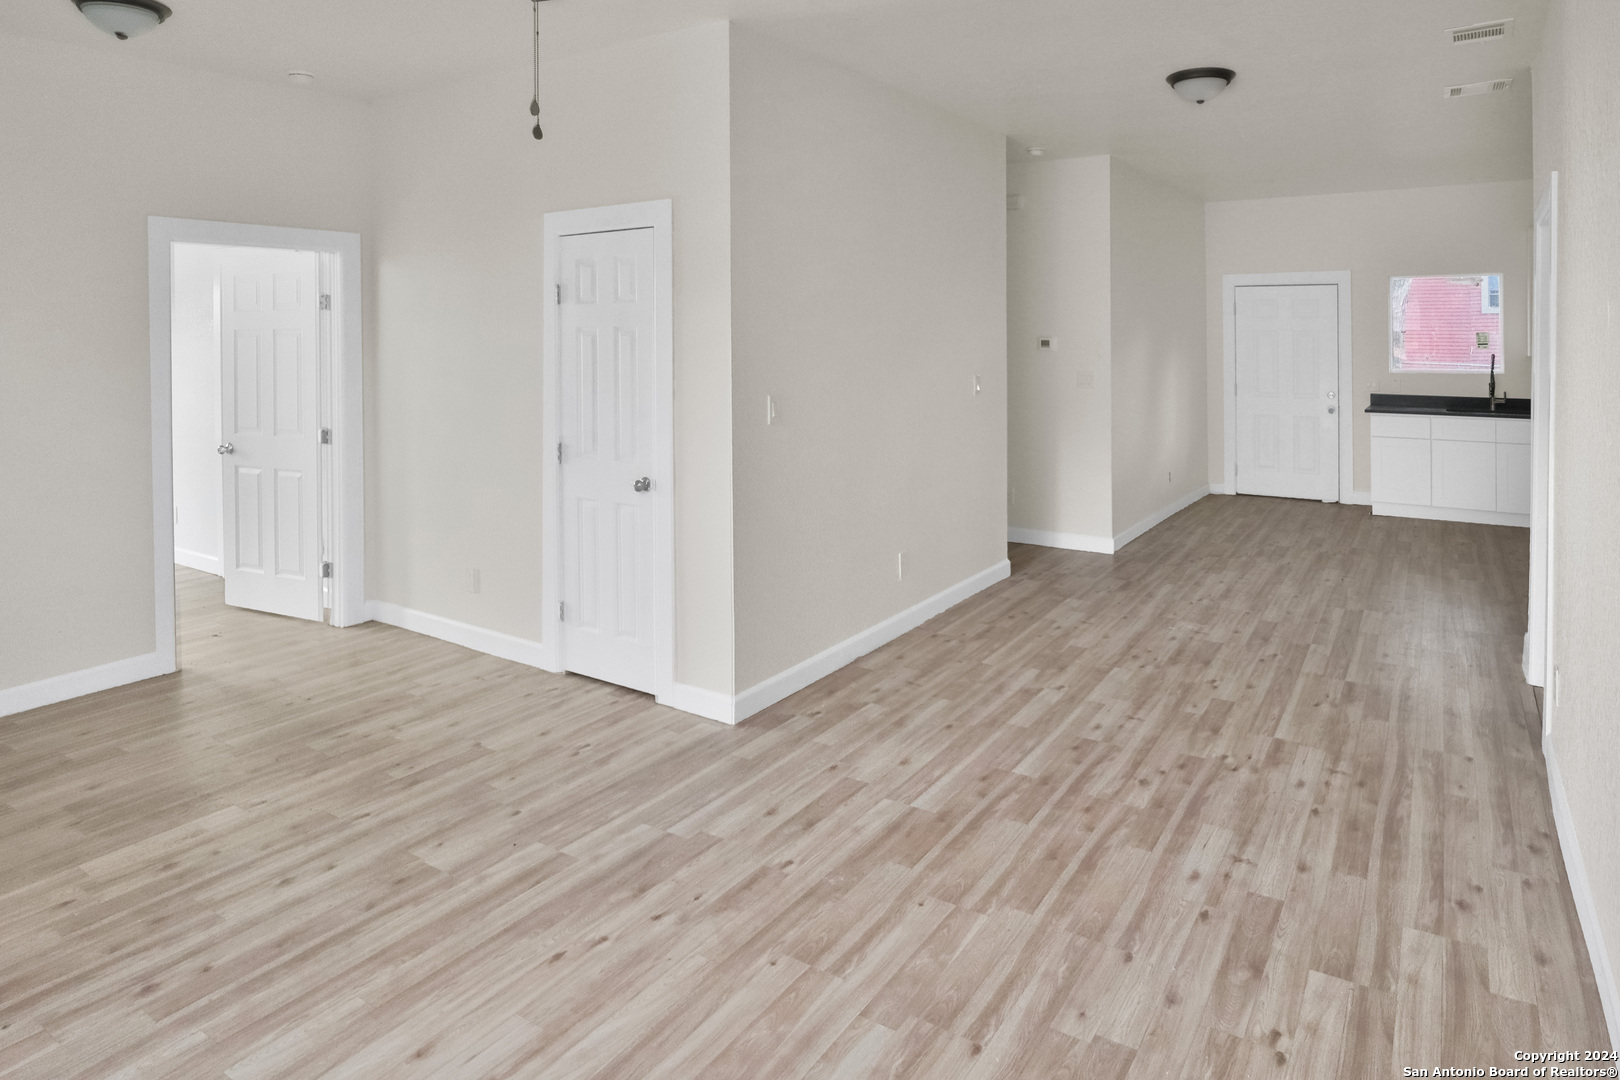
1494,86
1491,31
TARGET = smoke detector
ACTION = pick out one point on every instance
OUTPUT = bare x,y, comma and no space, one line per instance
301,78
1490,31
1491,86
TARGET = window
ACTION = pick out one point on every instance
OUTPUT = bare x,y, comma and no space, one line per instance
1449,323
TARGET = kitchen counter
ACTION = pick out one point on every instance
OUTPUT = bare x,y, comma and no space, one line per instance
1434,405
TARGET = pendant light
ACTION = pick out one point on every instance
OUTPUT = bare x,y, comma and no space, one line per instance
124,19
534,103
1198,85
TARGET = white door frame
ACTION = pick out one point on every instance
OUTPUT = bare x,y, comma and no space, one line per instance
1230,283
348,441
1538,637
657,216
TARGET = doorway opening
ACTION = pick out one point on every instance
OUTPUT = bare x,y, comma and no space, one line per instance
256,418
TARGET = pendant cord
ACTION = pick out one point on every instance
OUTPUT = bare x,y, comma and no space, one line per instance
534,104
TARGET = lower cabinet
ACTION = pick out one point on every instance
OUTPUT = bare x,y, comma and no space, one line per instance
1457,468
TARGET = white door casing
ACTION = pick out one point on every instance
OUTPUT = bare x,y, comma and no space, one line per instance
1286,391
608,464
1538,644
270,379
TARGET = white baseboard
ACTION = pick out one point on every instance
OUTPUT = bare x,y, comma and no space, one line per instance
208,564
1581,886
1356,498
477,638
765,694
709,704
1446,513
1102,545
1160,515
74,684
1222,489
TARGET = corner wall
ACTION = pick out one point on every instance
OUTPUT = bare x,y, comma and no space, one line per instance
1375,235
1577,134
94,144
1058,400
1158,384
454,450
868,248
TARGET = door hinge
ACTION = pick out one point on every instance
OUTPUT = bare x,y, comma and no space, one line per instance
326,301
559,294
559,453
326,569
560,616
326,436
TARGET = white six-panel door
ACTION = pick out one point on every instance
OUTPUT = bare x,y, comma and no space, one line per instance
608,455
1287,372
270,421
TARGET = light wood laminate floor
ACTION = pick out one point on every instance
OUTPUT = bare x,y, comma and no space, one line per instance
1258,797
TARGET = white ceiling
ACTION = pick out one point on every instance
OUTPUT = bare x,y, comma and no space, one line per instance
1331,95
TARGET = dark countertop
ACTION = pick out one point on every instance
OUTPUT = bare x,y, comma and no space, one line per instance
1434,405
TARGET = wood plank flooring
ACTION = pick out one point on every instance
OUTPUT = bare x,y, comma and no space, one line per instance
1258,797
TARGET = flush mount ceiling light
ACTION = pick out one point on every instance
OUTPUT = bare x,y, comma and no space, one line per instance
124,19
1036,151
1198,85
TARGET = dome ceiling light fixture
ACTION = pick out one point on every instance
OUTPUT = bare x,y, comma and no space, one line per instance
124,19
1198,85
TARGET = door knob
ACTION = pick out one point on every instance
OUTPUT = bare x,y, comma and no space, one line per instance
644,484
226,448
1330,410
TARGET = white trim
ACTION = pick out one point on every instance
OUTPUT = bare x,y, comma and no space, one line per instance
506,646
34,695
1222,489
208,564
1538,637
1229,284
1581,887
1159,516
658,216
1356,498
348,437
709,704
1102,545
1447,513
783,684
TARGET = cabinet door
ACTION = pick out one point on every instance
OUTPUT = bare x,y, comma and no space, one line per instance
1513,478
1464,475
1401,471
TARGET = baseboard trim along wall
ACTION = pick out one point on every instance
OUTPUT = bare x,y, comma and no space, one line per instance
1159,516
709,704
506,646
1357,498
767,693
35,695
1102,545
196,560
1581,886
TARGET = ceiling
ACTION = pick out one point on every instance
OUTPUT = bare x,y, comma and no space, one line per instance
1330,95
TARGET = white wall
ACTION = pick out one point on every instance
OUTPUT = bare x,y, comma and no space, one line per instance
196,411
1058,286
1577,133
1158,387
94,143
454,449
1376,235
868,253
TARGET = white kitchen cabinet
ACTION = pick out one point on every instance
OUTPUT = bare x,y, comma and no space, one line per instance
1454,468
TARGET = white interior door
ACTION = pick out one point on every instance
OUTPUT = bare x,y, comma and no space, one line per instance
1287,423
270,367
608,456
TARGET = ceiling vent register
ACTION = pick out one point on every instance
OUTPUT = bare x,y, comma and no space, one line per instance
1491,31
1493,86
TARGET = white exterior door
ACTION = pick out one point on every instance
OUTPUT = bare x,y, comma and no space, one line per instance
608,455
1287,423
270,377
